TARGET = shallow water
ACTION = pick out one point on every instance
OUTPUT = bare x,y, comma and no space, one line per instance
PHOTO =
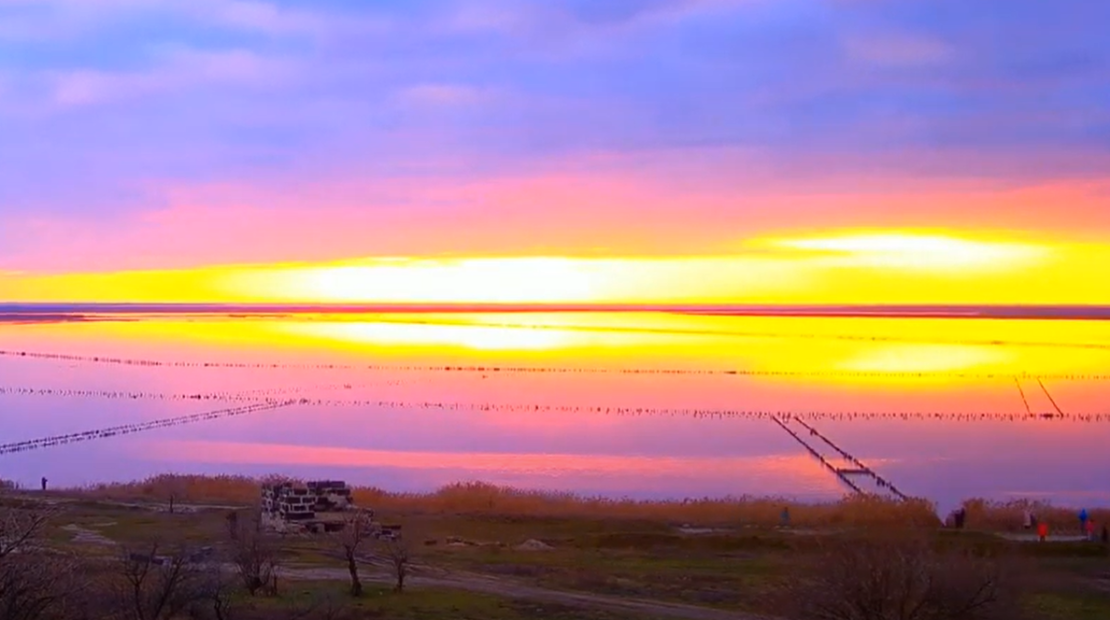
648,405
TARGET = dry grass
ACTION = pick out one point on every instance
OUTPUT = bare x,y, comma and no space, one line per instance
476,498
1008,516
481,499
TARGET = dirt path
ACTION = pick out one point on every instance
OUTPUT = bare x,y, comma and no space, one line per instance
153,506
88,537
507,588
428,576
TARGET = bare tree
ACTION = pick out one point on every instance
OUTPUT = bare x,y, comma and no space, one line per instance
158,586
357,529
21,525
396,552
33,587
254,553
902,579
216,597
34,582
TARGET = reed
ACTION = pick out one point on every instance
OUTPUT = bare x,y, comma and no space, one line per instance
1009,515
479,498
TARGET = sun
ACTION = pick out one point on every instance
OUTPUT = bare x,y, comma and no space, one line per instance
449,280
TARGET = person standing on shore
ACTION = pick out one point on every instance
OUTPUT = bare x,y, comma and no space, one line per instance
1042,531
44,483
1083,518
961,517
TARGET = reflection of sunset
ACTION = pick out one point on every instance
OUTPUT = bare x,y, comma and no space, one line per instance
379,402
475,337
799,466
638,239
930,358
619,340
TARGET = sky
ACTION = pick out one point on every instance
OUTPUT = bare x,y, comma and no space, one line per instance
773,151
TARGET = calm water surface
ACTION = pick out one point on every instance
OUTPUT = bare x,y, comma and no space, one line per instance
960,428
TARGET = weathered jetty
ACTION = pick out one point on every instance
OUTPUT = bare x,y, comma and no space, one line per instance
1051,399
847,475
817,455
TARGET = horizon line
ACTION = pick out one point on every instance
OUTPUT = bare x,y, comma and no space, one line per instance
984,311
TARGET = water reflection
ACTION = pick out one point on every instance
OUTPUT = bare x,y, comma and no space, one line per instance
572,438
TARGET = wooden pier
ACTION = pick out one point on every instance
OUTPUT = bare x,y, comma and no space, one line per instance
817,455
845,474
1051,399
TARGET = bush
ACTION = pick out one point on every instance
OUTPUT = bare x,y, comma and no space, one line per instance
903,578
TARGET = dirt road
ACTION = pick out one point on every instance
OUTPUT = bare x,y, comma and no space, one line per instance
428,576
508,588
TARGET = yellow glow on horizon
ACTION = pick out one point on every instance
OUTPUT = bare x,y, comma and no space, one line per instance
466,280
476,337
928,358
636,340
922,251
837,267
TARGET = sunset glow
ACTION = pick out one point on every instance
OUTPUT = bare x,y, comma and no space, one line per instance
935,253
519,152
584,308
878,267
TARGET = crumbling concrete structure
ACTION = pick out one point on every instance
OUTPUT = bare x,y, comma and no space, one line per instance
318,506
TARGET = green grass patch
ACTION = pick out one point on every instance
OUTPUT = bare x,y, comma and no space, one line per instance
1070,606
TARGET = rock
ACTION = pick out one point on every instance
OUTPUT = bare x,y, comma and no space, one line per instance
534,545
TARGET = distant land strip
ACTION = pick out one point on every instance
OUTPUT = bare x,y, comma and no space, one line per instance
556,370
1065,312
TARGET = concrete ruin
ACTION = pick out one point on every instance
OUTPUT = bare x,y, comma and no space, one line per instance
318,506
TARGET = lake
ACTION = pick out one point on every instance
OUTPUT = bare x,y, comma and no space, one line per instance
637,404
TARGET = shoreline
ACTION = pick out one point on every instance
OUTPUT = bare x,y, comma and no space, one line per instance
482,499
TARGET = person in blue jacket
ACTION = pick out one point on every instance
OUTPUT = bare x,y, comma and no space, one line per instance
1083,518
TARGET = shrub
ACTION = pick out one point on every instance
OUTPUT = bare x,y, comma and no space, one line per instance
903,578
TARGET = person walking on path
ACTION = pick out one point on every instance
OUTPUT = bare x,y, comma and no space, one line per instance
1042,531
1083,518
785,516
44,483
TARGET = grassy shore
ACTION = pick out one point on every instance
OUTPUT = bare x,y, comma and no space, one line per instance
729,555
477,498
